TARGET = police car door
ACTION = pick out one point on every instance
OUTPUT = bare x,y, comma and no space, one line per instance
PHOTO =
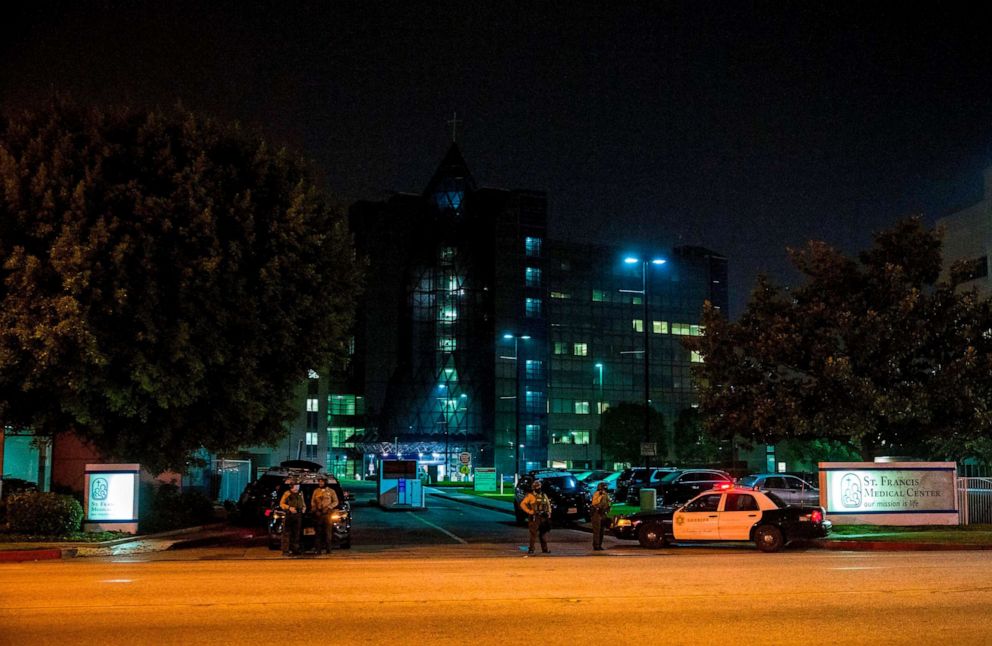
698,520
740,513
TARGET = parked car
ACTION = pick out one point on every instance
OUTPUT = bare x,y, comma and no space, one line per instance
633,478
792,490
610,479
340,517
644,478
570,499
725,515
260,495
676,487
594,476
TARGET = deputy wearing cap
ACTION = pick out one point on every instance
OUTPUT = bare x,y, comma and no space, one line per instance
600,515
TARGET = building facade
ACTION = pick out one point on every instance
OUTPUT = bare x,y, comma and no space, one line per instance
968,241
479,335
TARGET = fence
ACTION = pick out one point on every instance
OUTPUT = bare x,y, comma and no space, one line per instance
975,500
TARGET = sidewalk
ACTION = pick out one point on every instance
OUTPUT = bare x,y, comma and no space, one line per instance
11,552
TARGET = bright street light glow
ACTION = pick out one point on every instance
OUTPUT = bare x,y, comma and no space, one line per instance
658,261
507,336
630,260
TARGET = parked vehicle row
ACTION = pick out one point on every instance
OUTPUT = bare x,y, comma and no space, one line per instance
570,499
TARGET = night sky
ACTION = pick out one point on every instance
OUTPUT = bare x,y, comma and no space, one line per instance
743,127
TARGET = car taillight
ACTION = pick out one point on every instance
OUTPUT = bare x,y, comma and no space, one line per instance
722,485
816,516
268,512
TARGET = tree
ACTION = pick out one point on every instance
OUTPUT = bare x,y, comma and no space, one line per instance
693,442
166,281
621,431
870,351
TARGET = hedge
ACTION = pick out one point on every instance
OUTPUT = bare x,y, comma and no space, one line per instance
43,514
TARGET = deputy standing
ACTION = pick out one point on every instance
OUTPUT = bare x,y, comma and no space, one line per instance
293,504
537,506
600,515
323,502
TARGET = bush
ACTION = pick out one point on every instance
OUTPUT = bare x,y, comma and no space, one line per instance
168,508
45,514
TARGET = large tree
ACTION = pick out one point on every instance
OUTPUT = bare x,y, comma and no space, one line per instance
871,351
166,280
621,432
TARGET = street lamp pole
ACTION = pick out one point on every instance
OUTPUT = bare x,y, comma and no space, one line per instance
516,391
646,324
599,412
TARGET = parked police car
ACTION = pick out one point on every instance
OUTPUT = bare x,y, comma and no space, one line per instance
729,514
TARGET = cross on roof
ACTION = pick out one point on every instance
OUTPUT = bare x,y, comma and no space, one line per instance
453,122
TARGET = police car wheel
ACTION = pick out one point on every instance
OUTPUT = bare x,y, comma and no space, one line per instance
651,536
768,538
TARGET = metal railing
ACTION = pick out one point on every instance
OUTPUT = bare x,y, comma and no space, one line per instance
974,500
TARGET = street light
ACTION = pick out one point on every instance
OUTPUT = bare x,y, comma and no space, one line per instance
631,260
516,390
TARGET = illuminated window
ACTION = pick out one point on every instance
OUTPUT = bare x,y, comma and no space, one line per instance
311,405
341,404
535,402
582,408
695,357
580,349
636,300
598,296
602,407
311,439
532,246
684,329
446,344
561,347
638,325
532,307
312,374
337,436
532,277
532,434
660,327
535,369
571,437
560,295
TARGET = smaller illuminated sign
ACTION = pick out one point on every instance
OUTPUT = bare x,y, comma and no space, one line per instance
112,493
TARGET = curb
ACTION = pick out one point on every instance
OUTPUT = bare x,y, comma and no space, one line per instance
19,556
57,550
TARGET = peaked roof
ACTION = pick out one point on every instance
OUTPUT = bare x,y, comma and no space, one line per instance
451,181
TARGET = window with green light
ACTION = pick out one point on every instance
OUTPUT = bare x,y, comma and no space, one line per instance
532,246
532,277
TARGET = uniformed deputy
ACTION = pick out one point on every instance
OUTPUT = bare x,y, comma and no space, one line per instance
537,506
294,505
600,515
323,502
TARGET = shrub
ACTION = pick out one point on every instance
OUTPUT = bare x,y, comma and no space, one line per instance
168,508
46,514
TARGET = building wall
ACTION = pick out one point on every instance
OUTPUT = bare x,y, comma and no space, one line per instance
968,240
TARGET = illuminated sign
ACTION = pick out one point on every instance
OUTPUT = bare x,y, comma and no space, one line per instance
923,490
112,493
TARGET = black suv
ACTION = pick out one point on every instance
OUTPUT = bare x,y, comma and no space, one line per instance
258,499
340,517
570,499
640,478
676,487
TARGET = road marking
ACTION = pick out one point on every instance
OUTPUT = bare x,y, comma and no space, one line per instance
117,581
439,528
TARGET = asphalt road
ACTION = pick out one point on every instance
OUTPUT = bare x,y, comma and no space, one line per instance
684,596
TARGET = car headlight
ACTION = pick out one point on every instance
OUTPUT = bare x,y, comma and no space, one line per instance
338,516
622,522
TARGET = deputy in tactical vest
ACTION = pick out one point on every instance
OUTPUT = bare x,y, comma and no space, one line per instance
600,515
323,502
293,504
537,506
